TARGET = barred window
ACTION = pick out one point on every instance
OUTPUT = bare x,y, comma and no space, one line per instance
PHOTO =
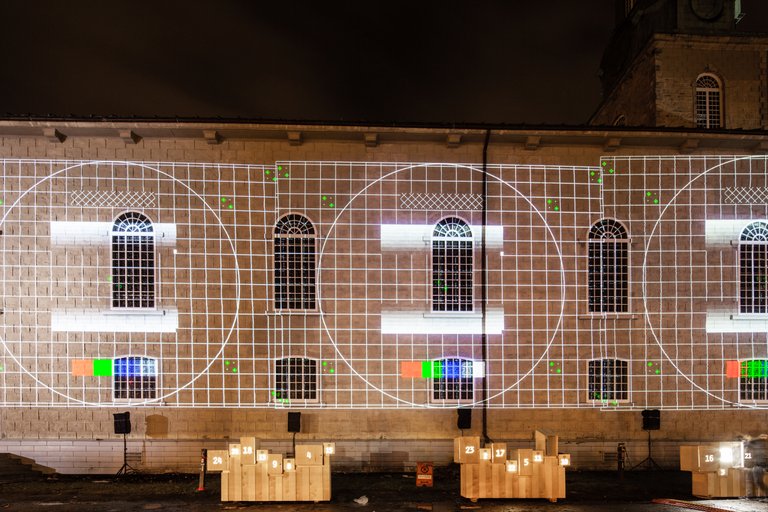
753,268
608,379
295,379
135,377
133,262
608,267
753,380
452,379
452,266
294,263
708,102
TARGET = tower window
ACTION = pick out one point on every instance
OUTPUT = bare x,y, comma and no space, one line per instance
608,267
452,266
708,102
294,260
133,262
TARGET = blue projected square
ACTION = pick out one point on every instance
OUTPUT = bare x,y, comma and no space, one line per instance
452,369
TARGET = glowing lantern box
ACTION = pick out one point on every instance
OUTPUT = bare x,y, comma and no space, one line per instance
466,450
718,470
494,472
309,455
248,474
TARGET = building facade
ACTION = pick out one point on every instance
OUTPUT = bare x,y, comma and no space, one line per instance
209,278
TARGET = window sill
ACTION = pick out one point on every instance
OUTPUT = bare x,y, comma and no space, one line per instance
749,316
608,316
453,314
307,312
137,311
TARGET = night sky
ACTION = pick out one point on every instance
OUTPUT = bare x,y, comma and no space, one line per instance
506,61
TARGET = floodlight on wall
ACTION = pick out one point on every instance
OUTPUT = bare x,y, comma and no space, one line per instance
329,448
511,466
289,464
564,459
262,455
538,456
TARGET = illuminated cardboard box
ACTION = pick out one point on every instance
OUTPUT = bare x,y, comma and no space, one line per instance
494,472
248,474
720,470
217,460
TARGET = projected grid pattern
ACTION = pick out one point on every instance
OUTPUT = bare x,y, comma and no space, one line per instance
217,336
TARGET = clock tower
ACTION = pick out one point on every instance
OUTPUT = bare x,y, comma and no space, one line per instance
683,63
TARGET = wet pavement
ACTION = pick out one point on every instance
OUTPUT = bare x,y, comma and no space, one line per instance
386,492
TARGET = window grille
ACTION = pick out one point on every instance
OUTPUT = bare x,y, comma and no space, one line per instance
135,377
294,260
133,262
753,268
708,102
295,379
608,380
608,267
452,266
452,379
753,380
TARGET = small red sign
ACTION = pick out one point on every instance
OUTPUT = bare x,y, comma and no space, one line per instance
424,474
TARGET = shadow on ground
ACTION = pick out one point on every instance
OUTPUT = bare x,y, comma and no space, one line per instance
386,492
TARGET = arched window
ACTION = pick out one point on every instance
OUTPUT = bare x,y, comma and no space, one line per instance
608,380
753,380
294,263
452,266
708,102
135,377
133,262
753,268
608,267
295,379
452,379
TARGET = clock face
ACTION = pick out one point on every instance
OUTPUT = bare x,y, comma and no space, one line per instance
707,9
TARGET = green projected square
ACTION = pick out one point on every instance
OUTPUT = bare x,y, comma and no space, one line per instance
102,367
431,369
754,369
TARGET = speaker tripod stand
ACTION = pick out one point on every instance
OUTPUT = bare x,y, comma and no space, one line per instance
648,462
126,468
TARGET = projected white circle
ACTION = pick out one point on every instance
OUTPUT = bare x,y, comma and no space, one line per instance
69,279
388,274
676,279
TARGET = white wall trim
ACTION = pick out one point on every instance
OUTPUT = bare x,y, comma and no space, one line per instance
99,233
420,322
82,320
416,236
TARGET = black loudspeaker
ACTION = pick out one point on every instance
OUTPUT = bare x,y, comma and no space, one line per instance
122,423
464,419
651,419
294,422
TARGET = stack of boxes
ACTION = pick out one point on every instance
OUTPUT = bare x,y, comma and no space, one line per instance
250,474
719,470
492,472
